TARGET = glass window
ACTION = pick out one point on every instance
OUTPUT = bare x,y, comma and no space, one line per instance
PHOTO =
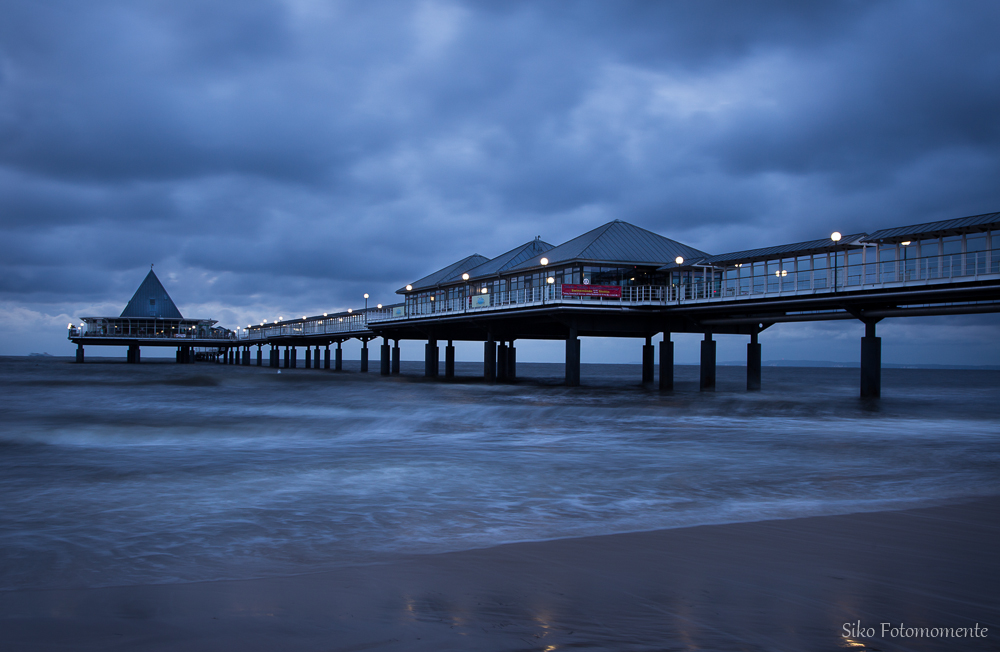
952,245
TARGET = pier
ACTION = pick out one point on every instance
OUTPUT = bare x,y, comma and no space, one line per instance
620,280
152,319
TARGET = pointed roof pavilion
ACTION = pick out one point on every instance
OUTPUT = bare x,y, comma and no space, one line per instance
617,243
151,300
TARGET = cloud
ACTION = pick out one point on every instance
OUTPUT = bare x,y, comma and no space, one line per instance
300,153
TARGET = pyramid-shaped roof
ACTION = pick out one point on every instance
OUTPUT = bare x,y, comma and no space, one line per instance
618,243
449,273
511,259
151,300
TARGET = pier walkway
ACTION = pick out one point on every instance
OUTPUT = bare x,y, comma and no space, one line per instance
622,281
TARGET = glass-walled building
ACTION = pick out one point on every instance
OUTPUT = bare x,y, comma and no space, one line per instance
150,313
621,260
615,255
935,251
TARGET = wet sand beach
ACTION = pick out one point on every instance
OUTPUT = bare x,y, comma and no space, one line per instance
771,585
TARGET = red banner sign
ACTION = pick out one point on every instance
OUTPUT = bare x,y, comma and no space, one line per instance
609,291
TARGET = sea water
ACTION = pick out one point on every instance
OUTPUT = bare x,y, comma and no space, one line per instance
116,474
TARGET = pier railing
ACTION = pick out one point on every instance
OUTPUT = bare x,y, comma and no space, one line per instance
772,278
767,279
352,323
98,330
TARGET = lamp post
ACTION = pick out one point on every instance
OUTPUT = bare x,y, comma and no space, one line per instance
544,262
680,261
468,297
366,302
906,271
835,236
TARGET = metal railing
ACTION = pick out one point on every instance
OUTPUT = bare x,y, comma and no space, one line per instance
722,286
716,285
352,323
92,330
907,271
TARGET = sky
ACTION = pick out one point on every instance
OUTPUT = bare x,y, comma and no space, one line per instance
277,158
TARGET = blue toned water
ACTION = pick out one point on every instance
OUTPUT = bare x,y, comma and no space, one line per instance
119,474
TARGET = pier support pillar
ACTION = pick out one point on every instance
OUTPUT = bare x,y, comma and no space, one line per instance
364,355
395,357
666,364
490,361
260,355
648,355
79,353
707,364
449,360
288,358
511,362
272,360
384,357
871,362
339,358
501,361
294,358
308,360
573,359
326,357
178,357
431,359
753,364
246,356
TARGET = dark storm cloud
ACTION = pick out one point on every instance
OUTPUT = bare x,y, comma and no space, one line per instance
300,153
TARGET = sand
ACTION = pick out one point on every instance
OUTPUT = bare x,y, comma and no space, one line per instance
772,585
